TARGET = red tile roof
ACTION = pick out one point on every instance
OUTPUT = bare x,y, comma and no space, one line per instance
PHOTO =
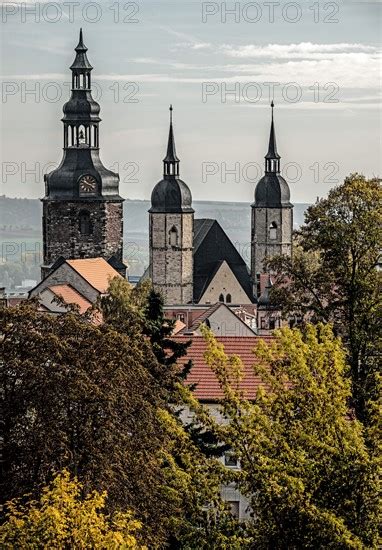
70,296
96,271
207,386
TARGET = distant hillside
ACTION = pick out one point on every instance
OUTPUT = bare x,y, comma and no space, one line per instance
20,226
19,214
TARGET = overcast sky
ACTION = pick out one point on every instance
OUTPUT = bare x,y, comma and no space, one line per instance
323,61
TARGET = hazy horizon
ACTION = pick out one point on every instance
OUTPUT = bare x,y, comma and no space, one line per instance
211,71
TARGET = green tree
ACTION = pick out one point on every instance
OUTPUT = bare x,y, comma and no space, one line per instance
139,310
62,518
333,277
310,478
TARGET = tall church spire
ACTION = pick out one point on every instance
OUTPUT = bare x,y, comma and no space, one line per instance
272,158
171,161
82,207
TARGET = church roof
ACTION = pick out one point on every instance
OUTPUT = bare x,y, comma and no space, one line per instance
272,191
171,195
212,246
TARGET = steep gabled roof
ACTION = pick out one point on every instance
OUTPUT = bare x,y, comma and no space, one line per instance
207,314
201,229
212,246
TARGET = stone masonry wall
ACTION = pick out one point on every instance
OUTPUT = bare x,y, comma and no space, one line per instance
172,266
62,236
261,244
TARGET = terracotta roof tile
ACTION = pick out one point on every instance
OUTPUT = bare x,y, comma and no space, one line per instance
96,271
70,296
207,386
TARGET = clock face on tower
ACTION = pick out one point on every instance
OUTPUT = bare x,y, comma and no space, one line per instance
87,185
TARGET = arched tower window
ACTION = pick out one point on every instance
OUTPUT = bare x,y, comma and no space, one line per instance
228,298
273,231
173,236
85,224
221,298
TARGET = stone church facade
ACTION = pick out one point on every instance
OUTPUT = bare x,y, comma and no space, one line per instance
193,260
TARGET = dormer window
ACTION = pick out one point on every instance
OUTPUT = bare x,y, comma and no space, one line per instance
273,231
173,236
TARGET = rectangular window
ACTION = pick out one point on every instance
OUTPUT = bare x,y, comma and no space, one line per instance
180,317
235,508
230,460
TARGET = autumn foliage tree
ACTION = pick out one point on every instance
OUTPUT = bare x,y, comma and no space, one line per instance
333,277
310,479
61,517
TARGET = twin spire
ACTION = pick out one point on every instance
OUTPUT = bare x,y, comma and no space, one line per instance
171,161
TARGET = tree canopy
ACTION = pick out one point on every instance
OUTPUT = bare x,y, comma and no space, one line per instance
333,277
310,479
63,518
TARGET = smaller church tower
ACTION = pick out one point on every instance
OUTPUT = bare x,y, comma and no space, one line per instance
272,212
82,208
172,232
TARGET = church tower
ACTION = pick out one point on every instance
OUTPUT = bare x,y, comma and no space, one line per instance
272,212
172,232
82,209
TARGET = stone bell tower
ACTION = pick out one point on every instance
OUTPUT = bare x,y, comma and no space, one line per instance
172,232
272,212
82,208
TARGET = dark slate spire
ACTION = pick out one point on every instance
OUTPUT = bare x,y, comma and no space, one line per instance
171,161
81,46
81,63
171,194
272,158
272,191
81,140
272,149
